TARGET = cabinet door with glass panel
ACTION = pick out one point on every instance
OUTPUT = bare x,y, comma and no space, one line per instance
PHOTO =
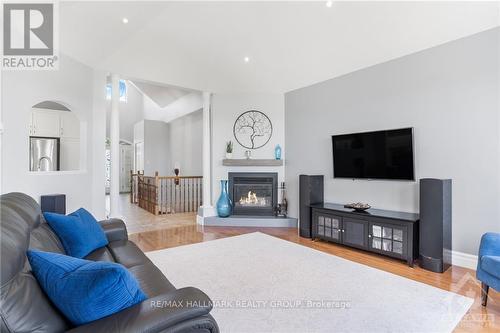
388,239
327,226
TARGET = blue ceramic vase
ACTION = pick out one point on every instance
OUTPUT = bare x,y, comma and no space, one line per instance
277,152
224,204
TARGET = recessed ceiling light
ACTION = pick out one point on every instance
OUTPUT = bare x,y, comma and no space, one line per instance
329,4
246,59
125,20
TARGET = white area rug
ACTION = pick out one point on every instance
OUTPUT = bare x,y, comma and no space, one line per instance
261,283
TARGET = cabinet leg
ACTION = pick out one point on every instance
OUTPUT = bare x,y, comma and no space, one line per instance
410,263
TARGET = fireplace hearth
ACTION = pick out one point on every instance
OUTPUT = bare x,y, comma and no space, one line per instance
253,193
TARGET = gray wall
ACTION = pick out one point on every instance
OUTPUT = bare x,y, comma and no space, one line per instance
449,94
156,148
186,143
165,144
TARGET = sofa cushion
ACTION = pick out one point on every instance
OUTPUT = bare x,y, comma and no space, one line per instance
79,232
151,279
43,238
84,290
101,254
27,208
26,307
491,265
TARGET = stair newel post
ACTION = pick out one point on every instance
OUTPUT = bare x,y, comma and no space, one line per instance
131,186
157,187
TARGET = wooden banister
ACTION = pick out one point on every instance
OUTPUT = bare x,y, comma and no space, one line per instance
167,194
179,177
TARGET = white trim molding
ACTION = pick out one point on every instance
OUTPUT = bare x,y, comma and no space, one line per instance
207,209
204,212
464,260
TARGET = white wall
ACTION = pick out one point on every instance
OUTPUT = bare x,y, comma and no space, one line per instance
131,112
73,85
186,143
225,110
449,95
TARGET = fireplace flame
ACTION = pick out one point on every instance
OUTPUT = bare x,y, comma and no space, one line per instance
252,199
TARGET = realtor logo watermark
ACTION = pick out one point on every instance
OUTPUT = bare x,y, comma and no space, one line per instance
29,36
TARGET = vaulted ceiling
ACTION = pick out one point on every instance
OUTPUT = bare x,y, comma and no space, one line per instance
161,95
202,45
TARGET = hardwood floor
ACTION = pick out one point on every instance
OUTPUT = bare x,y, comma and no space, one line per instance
176,230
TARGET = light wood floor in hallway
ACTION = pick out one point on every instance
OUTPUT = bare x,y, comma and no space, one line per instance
140,220
152,232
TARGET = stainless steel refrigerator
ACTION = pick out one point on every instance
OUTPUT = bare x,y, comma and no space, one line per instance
44,154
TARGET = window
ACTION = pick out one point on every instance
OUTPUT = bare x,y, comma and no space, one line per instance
122,88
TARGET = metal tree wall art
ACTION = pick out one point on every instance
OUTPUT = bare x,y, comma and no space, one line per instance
253,129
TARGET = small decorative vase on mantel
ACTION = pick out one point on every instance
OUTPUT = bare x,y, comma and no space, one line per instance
224,204
277,152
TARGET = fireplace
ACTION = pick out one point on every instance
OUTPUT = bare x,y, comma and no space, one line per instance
253,193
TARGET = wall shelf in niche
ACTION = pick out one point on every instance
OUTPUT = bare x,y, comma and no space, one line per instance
251,162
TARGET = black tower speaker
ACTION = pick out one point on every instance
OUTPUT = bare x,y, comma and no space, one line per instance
53,203
310,192
435,224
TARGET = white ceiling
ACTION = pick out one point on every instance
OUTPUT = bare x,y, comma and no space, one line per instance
161,95
201,45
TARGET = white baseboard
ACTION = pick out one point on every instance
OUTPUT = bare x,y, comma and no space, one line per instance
463,260
203,212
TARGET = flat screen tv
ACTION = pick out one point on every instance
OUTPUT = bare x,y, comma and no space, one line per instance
374,155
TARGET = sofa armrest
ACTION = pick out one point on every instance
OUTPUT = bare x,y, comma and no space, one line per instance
155,314
490,245
114,229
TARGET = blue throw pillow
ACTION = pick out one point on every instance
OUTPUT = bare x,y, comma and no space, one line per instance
79,232
84,290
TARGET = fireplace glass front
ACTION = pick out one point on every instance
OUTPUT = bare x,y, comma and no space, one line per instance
253,193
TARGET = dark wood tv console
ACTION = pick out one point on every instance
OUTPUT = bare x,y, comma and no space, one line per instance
390,233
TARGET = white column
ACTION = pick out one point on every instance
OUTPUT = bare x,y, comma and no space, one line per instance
207,209
97,138
114,135
1,134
